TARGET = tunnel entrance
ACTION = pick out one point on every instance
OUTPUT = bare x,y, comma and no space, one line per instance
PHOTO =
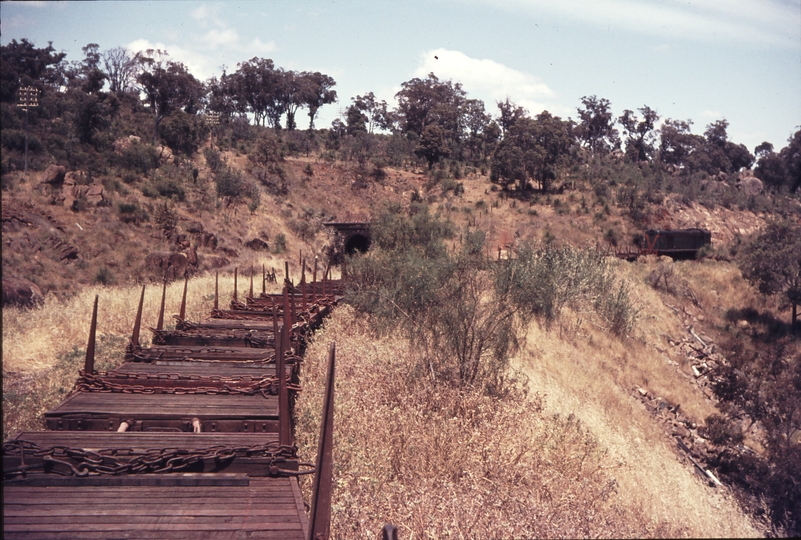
357,243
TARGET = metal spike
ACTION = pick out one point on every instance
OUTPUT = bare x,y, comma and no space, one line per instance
182,315
263,279
138,321
251,281
160,325
235,285
89,363
216,290
314,282
320,516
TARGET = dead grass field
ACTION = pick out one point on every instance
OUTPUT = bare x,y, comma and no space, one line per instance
575,456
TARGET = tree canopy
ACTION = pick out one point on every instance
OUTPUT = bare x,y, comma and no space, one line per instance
772,262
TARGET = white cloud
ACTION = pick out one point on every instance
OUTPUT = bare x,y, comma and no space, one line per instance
770,22
213,41
710,114
487,80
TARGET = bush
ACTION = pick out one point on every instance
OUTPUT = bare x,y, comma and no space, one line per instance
140,157
229,182
453,307
547,279
213,159
280,243
183,132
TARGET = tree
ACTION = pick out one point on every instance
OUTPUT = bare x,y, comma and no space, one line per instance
510,114
167,85
375,111
640,133
533,149
596,128
772,262
90,74
356,120
433,145
480,133
723,155
677,144
292,95
426,101
122,68
22,64
317,91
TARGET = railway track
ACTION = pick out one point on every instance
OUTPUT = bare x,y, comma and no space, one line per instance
189,438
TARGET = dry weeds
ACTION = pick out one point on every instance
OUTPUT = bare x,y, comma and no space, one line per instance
438,462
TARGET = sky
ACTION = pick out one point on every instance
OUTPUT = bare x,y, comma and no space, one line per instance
703,60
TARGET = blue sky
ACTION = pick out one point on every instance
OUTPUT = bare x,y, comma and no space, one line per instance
702,60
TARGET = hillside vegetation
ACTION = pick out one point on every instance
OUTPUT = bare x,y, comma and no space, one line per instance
499,374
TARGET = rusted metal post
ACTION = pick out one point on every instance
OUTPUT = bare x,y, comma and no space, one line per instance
286,273
138,321
216,290
263,279
314,282
389,532
292,313
251,281
284,427
303,284
236,269
182,315
320,516
89,363
287,317
276,335
160,325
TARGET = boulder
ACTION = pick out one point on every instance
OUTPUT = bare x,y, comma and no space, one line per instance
165,154
21,292
257,244
749,184
205,240
54,174
168,264
195,227
121,144
95,194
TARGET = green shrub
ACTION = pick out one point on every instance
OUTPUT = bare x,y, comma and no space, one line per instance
183,132
229,182
280,243
213,159
140,158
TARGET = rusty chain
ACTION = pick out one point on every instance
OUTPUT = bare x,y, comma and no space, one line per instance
104,382
67,461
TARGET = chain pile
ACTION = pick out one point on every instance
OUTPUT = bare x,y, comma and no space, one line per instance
107,382
67,461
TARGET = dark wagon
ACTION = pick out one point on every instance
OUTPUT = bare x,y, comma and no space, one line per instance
679,243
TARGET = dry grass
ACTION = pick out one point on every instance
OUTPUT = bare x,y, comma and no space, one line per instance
577,458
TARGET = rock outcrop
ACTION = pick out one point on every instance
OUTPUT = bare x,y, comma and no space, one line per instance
21,292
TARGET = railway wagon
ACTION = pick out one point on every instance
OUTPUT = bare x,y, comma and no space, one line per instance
192,440
677,242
